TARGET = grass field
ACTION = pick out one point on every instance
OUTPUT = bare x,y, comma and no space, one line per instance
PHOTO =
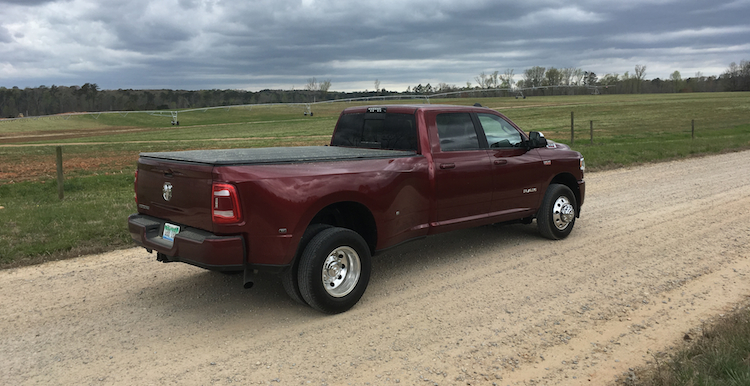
100,153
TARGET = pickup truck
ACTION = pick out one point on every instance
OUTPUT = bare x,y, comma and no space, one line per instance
315,215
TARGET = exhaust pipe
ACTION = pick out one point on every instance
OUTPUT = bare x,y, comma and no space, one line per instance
247,278
246,275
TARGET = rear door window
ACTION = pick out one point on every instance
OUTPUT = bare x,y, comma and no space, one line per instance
456,132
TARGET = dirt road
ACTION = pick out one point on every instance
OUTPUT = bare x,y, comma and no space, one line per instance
658,250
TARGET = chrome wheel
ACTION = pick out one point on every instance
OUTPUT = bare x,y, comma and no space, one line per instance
341,271
563,213
334,270
557,214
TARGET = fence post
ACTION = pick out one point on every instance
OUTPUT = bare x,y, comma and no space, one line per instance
692,131
572,125
60,193
591,124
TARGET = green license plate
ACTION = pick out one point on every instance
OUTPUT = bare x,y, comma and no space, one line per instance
170,231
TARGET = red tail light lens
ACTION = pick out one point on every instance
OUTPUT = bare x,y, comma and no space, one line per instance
226,204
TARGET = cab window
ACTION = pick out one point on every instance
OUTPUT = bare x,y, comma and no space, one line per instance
500,134
376,131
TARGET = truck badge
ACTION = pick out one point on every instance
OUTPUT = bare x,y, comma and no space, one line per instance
166,191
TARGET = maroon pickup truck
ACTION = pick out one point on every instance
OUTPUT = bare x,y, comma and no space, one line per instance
315,215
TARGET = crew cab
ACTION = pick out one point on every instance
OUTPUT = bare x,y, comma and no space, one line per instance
315,215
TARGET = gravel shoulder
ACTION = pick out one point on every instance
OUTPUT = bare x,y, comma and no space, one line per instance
659,249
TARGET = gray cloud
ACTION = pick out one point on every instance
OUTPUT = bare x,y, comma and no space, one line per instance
281,43
29,3
5,36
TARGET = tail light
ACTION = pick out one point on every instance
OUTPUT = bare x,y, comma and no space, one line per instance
226,204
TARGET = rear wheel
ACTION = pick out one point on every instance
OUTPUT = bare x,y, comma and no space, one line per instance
334,270
557,215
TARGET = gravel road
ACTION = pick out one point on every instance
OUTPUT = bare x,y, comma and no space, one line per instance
659,249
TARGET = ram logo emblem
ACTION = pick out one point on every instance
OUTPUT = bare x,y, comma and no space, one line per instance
166,191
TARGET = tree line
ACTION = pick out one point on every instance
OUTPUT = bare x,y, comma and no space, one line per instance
43,100
576,81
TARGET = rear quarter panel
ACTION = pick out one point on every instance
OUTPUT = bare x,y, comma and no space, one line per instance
279,201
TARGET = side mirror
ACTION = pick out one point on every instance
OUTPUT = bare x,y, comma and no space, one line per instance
537,140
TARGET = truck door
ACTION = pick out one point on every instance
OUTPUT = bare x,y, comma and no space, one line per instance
462,170
515,170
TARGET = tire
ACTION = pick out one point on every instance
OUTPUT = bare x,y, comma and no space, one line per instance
334,270
557,215
289,277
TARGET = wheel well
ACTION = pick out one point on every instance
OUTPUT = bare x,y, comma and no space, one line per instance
571,182
350,215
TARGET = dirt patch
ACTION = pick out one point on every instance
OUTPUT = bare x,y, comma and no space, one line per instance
45,167
659,249
46,135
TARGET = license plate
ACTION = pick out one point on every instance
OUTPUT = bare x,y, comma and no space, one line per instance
170,231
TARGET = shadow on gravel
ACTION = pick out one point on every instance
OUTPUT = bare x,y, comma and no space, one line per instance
200,295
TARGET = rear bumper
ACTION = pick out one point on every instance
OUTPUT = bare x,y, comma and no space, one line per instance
191,245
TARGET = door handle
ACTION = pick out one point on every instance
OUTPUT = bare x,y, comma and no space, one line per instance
447,166
501,161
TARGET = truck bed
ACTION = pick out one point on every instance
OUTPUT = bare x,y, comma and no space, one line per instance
276,155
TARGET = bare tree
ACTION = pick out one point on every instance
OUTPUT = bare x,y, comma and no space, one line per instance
507,79
640,74
324,86
567,76
482,80
312,84
494,80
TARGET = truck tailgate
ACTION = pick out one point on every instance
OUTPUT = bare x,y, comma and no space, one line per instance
177,192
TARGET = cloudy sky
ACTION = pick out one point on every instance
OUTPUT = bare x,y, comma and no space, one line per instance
258,44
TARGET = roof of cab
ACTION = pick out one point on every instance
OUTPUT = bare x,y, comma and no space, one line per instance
411,109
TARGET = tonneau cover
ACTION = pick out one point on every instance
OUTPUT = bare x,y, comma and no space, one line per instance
276,155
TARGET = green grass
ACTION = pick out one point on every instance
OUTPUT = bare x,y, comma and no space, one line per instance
718,357
36,226
633,129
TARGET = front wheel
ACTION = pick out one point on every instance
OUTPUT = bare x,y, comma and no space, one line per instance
334,270
557,215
